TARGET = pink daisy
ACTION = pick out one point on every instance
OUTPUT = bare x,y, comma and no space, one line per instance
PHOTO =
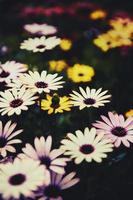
58,183
43,153
116,128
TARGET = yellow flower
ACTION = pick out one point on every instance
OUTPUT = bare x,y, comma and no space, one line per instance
80,73
124,29
129,113
124,24
56,104
104,42
120,35
119,38
57,66
65,44
98,14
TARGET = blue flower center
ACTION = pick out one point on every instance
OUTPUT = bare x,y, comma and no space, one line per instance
86,149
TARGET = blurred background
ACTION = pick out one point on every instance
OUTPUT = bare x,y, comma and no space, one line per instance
112,180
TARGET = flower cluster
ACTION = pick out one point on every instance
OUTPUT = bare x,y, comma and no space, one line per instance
57,65
40,44
40,169
119,35
77,73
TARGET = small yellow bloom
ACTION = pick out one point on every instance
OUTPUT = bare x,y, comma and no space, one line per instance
56,104
104,42
129,113
57,66
80,73
98,14
65,44
124,24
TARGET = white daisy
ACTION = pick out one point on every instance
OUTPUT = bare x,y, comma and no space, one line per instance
11,70
43,153
58,183
40,29
7,134
21,178
40,44
86,146
14,101
89,98
41,82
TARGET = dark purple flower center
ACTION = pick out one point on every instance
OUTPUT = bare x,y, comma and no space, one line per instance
52,191
119,131
16,103
4,74
86,148
3,142
89,101
108,43
17,179
125,24
55,102
81,74
41,84
41,46
45,161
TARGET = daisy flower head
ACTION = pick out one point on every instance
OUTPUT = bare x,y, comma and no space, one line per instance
14,101
11,70
89,98
40,44
57,185
104,42
42,152
119,38
86,146
56,104
40,29
116,128
7,134
21,178
43,82
80,73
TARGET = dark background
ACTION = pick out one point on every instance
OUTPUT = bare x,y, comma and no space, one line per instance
113,179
